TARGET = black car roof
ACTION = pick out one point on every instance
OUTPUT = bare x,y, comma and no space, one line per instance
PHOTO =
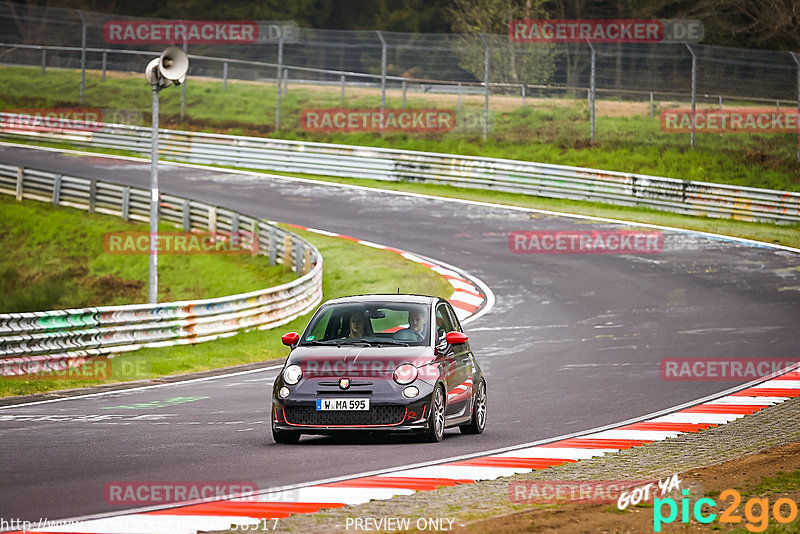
389,297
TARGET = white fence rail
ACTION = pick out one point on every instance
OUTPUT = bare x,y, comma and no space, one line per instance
60,338
555,181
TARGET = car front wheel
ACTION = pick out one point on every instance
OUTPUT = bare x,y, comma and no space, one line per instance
478,422
436,424
288,437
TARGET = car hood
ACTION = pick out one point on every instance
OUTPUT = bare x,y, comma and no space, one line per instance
355,360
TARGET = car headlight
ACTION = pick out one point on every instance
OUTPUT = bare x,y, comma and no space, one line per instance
292,374
405,373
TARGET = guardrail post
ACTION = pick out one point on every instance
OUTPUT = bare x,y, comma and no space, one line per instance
342,97
105,59
255,240
287,251
273,245
694,93
298,257
278,81
187,214
797,60
92,195
57,189
306,260
592,93
44,60
126,203
212,219
383,78
234,223
224,75
83,54
486,83
20,178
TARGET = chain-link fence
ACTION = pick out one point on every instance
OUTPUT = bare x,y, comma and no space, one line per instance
572,95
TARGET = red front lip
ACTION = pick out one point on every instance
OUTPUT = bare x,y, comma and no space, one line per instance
403,420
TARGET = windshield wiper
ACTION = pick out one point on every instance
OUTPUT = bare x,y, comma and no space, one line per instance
351,341
393,342
323,342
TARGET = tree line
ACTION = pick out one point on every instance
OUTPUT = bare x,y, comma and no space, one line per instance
766,24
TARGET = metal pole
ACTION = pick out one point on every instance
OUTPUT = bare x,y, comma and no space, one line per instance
720,103
224,75
486,83
83,54
44,60
278,79
383,76
694,94
183,87
651,105
153,271
404,93
797,60
459,96
285,84
592,93
342,88
105,58
523,95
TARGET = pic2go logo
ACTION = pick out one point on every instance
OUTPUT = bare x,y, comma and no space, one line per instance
756,511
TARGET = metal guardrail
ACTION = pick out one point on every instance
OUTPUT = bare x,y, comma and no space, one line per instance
539,179
60,338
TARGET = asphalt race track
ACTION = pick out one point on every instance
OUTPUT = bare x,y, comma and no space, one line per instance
573,343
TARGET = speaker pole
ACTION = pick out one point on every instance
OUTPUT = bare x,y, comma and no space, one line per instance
169,68
154,202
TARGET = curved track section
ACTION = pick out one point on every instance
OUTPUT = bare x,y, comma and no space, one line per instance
573,343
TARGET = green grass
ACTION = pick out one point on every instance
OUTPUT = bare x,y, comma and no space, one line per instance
54,258
540,132
781,482
349,269
770,488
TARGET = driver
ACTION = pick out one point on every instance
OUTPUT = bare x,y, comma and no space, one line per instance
416,325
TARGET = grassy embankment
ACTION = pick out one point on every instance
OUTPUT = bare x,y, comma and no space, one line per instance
54,258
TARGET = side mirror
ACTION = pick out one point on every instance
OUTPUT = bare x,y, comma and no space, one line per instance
291,339
456,338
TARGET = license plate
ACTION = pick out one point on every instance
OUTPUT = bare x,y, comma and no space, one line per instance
342,405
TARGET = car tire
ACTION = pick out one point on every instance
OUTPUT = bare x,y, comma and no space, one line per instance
478,422
287,437
435,429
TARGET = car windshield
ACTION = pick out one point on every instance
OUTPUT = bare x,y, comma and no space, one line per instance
369,323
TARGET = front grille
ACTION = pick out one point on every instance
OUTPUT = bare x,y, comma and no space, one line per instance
376,415
335,383
346,392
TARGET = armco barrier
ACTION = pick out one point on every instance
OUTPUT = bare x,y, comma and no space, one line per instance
64,337
556,181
